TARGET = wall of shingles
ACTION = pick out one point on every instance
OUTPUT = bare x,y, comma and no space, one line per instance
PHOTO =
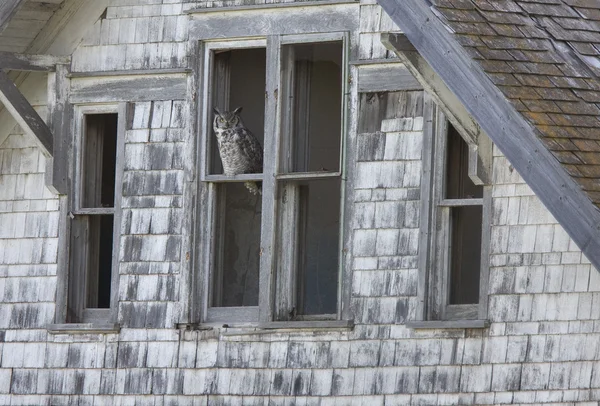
542,345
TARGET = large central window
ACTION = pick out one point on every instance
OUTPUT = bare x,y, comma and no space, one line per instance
274,255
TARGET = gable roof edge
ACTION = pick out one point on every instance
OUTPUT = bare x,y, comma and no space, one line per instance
514,136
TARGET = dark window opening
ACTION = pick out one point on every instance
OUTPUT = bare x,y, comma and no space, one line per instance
99,262
465,224
238,81
237,241
99,161
318,246
312,118
92,228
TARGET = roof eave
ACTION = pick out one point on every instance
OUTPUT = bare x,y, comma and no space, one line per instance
514,136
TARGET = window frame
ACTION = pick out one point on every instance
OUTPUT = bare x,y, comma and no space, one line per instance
435,227
273,279
83,314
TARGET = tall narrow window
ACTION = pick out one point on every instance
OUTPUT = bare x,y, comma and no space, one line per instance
274,252
310,186
92,225
454,265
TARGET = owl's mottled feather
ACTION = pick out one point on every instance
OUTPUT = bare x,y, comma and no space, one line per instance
239,149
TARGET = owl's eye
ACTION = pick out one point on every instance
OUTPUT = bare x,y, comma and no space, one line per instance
234,121
220,120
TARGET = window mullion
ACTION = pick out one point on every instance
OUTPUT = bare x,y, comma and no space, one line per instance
269,188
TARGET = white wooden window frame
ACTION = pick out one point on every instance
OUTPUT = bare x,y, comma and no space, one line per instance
434,256
90,315
271,293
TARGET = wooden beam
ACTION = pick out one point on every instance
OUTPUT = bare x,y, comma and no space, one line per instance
60,113
24,114
42,63
480,168
508,129
8,8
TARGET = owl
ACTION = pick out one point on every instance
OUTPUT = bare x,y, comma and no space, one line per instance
239,149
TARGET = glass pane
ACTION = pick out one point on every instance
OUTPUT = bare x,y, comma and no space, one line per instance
311,117
99,161
313,238
238,81
237,246
99,268
465,254
458,183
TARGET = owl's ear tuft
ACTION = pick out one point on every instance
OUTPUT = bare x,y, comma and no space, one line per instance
216,111
238,110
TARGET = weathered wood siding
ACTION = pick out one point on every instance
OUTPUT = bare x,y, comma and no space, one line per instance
544,296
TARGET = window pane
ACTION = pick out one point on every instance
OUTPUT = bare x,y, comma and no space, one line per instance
465,254
238,81
312,237
99,161
99,267
312,75
237,246
458,183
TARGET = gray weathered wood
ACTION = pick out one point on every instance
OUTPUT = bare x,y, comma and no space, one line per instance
515,137
27,62
243,314
8,8
62,273
125,115
206,10
460,202
131,72
429,113
486,238
190,292
83,328
447,324
129,88
269,188
302,18
60,113
24,114
386,78
315,324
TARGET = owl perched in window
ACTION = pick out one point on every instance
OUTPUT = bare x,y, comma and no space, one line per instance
239,149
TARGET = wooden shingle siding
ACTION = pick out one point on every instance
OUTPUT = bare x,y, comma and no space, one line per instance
544,296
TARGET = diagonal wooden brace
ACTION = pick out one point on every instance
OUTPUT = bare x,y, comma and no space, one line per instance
24,114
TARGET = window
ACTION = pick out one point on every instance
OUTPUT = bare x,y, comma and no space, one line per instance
455,262
275,256
93,242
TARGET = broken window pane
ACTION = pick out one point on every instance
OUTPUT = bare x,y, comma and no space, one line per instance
312,109
237,245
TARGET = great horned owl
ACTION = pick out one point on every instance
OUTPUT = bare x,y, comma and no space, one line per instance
239,149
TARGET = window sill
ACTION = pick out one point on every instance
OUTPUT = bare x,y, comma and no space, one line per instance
447,324
84,328
270,327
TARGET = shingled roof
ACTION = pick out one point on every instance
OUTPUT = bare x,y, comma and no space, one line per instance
542,57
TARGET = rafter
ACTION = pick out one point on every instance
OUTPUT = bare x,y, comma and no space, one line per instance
8,8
